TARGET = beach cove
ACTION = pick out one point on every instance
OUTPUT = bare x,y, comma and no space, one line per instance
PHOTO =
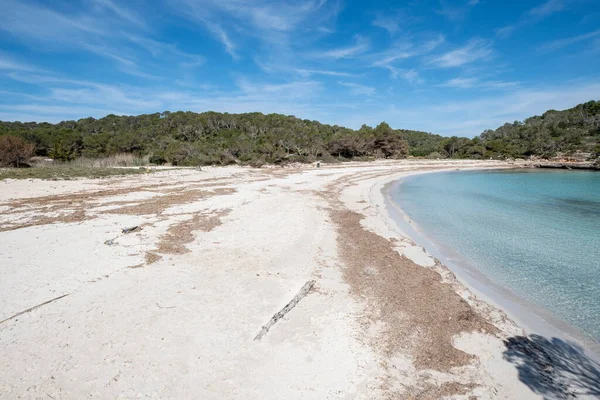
173,307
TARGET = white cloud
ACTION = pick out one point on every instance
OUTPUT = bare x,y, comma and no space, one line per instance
121,11
292,90
472,82
403,51
358,89
499,84
474,50
547,8
533,15
455,12
559,44
157,48
230,47
505,31
92,30
273,23
410,75
347,52
38,24
460,83
389,24
308,72
9,64
109,53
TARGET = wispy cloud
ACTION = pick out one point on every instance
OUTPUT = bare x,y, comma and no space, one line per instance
204,11
121,11
505,31
358,89
388,23
293,89
158,48
474,50
309,72
559,44
404,51
9,64
220,33
108,53
91,30
548,8
453,11
362,44
410,75
273,23
533,16
460,83
39,24
472,82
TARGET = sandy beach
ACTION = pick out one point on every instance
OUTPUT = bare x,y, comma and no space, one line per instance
172,309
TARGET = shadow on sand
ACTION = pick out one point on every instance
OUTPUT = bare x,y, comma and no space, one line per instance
554,368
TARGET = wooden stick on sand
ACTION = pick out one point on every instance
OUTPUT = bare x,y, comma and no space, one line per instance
303,292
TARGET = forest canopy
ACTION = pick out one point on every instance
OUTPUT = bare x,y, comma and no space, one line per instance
188,138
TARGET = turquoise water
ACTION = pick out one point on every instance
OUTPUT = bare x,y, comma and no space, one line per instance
535,232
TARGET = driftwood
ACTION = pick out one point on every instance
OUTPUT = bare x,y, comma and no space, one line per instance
159,306
33,308
124,231
303,292
129,230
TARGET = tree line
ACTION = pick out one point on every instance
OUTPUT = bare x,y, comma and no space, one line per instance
188,138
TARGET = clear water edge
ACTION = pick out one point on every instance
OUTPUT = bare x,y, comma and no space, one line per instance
529,315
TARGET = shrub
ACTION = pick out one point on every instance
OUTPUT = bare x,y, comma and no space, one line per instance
158,158
435,155
61,151
14,151
257,163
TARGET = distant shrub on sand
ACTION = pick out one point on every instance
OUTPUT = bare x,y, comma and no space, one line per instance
435,155
14,151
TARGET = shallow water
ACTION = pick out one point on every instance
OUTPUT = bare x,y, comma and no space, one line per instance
535,232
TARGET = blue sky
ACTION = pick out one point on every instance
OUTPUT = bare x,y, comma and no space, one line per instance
453,67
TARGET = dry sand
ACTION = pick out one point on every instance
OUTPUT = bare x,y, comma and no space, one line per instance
171,309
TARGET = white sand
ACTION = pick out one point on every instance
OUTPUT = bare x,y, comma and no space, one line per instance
183,327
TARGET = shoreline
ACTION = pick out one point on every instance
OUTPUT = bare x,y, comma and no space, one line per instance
534,319
579,165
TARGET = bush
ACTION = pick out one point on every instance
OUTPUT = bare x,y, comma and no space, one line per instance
158,158
257,163
435,155
14,151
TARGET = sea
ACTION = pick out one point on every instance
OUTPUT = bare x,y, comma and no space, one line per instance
528,238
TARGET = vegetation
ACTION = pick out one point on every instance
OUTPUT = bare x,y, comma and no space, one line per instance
187,138
67,172
14,151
